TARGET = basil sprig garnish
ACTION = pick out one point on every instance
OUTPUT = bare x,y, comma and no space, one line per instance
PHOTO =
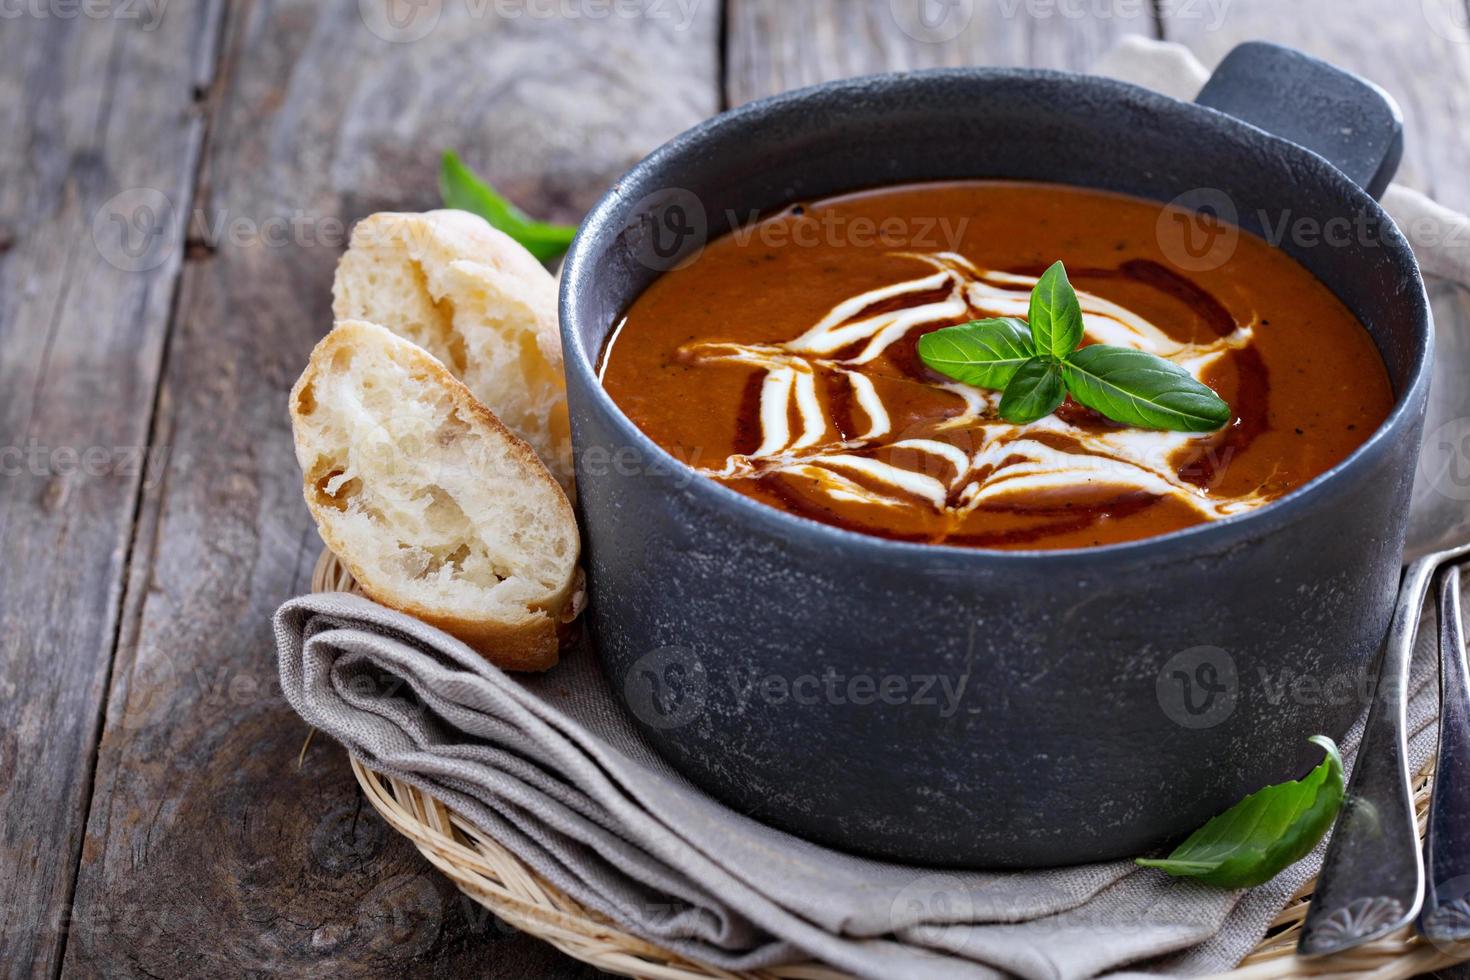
460,189
1263,834
1038,362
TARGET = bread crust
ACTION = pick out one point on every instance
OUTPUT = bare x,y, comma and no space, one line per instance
530,647
459,247
529,644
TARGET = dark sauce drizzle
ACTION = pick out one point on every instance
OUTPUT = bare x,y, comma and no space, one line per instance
1202,469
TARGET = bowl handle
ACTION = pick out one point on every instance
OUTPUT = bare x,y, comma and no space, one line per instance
1351,122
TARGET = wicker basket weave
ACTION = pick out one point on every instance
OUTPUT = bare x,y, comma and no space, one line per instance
495,878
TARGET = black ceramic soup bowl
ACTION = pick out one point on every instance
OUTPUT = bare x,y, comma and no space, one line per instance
969,708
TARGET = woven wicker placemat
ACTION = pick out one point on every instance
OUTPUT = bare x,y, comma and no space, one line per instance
495,878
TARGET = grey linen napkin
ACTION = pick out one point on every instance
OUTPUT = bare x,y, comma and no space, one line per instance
550,767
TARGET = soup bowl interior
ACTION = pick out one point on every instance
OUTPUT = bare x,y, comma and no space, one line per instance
1001,124
1055,736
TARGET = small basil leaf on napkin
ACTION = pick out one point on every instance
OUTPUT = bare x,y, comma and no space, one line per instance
1055,313
1263,834
461,189
1035,392
1137,388
983,353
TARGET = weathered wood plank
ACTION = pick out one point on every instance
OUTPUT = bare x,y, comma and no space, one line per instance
775,45
208,850
101,142
1071,35
1419,52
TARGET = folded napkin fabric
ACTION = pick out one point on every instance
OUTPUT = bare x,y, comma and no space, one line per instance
551,768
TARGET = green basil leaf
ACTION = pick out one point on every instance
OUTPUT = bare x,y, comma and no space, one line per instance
983,353
1137,388
461,189
1035,391
1055,314
1263,834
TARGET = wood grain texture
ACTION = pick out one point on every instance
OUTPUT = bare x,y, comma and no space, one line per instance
1418,51
208,850
774,45
101,142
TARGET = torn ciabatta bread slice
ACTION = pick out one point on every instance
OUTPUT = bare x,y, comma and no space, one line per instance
475,299
434,506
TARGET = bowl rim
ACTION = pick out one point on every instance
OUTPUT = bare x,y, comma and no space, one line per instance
1201,539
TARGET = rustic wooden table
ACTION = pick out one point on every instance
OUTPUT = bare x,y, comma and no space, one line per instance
175,182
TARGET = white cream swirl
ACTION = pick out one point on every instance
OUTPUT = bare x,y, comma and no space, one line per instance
995,460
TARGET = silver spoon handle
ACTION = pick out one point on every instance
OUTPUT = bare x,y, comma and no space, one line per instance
1372,880
1446,916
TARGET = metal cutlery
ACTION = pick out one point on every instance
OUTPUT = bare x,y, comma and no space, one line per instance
1372,880
1446,914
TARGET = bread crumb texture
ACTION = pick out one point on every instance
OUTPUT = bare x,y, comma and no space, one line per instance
433,505
475,299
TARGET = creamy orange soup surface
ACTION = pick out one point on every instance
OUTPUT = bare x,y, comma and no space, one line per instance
783,363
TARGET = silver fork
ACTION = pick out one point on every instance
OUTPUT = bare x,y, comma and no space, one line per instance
1446,914
1372,880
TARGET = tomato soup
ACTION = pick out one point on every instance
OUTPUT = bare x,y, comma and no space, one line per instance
783,363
